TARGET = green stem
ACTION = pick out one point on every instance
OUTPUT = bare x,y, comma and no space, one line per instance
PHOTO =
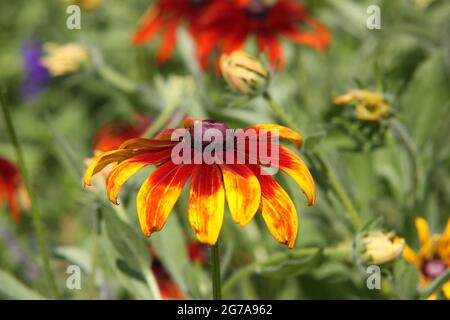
34,212
94,256
160,121
215,261
411,150
334,181
435,285
338,252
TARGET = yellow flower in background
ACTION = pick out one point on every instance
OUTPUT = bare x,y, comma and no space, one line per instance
433,257
86,4
63,59
370,106
381,247
243,72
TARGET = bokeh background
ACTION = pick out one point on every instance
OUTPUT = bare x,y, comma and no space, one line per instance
408,60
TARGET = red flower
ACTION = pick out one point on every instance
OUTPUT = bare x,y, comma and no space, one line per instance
165,17
10,186
111,135
228,24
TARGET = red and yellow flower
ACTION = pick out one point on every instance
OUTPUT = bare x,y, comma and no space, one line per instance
433,257
11,189
246,185
228,24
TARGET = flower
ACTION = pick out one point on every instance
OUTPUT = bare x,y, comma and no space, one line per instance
370,106
381,247
243,72
63,59
11,187
227,24
112,134
166,16
240,178
86,4
433,257
36,75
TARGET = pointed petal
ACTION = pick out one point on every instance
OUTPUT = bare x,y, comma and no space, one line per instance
294,166
151,22
277,131
124,170
206,203
446,290
270,42
446,233
140,143
242,191
168,42
277,209
158,195
422,230
410,255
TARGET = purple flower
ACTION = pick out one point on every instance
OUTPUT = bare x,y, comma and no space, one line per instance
36,75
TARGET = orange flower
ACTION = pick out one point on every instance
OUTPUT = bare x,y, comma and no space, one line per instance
166,16
11,187
111,135
241,180
227,24
433,257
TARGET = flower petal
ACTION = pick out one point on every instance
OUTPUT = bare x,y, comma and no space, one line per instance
206,203
123,171
277,131
277,209
422,230
242,191
140,143
294,166
104,159
410,255
159,193
446,289
151,22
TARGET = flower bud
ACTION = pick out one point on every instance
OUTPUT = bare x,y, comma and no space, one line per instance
370,106
63,59
378,247
243,72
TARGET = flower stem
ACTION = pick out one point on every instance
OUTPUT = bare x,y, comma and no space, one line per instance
34,212
435,285
333,180
94,256
215,261
338,252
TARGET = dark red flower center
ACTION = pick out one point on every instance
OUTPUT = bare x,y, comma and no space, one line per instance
257,9
209,131
434,268
197,2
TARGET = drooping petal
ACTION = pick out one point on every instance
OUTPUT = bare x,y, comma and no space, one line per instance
277,209
422,230
159,193
270,42
168,42
242,191
318,38
294,166
124,170
410,255
105,159
446,290
139,143
277,131
206,203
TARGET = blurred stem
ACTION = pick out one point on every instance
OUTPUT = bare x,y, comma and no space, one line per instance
332,178
94,256
160,121
411,150
215,262
338,252
35,215
435,285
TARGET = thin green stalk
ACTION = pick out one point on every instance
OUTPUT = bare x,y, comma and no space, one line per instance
334,181
34,211
94,256
339,252
435,285
411,150
160,120
215,261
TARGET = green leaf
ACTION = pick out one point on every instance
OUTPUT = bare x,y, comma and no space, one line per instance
294,266
14,289
76,255
406,279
